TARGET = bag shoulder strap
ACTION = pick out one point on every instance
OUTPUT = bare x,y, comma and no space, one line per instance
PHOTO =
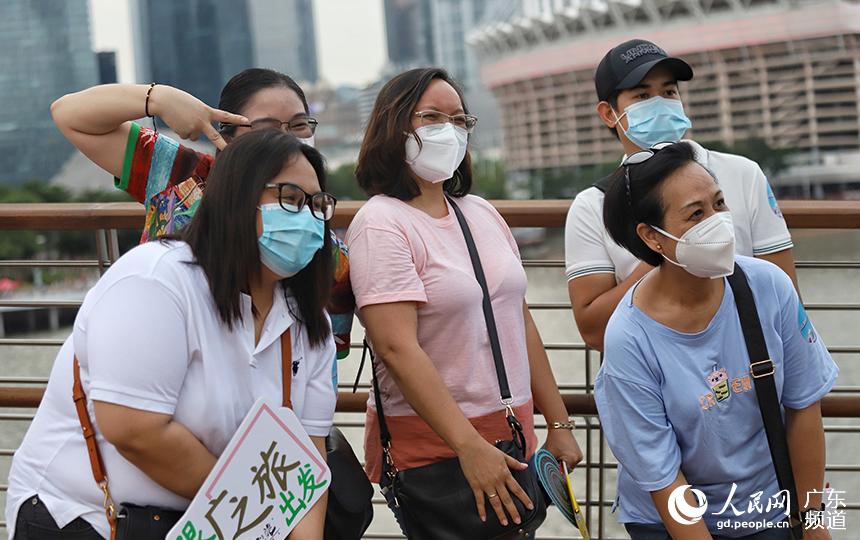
287,367
487,305
761,370
96,463
95,457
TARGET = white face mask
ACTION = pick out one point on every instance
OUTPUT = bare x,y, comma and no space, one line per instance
706,250
309,141
443,147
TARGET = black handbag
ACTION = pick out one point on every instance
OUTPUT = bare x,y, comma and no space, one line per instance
435,501
350,508
144,522
761,370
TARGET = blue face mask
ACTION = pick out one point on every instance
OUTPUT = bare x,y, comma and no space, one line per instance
654,121
289,241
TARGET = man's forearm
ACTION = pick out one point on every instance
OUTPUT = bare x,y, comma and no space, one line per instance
592,317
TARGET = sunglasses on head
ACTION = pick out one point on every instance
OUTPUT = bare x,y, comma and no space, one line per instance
638,158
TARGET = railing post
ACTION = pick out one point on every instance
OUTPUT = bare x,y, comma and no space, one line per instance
588,420
102,250
113,246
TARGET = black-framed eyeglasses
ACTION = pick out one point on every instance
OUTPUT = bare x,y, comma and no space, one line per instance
465,121
293,199
303,127
637,158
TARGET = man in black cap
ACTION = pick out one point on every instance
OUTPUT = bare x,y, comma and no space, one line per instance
639,101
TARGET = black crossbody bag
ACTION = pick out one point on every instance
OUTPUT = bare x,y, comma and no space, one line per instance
435,501
761,370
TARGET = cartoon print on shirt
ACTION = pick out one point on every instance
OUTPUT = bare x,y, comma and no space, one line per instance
722,387
719,382
806,328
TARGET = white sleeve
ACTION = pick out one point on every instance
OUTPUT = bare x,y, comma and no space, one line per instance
584,250
320,393
767,226
136,346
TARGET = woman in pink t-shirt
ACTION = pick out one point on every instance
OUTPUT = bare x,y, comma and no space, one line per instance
422,306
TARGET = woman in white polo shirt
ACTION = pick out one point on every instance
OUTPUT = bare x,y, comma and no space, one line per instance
180,338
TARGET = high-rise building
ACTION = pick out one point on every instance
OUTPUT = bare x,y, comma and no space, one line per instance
284,37
107,66
433,33
46,53
450,23
409,34
195,45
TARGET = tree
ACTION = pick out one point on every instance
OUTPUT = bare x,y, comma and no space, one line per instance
343,185
771,160
488,179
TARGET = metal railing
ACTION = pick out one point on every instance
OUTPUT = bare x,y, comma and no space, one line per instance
23,393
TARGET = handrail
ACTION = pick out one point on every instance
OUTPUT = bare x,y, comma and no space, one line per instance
832,406
805,214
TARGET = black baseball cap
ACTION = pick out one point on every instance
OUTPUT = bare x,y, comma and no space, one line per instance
627,64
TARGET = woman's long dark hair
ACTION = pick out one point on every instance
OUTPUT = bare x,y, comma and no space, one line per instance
223,233
381,167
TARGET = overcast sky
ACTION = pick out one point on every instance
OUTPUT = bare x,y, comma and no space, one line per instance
343,59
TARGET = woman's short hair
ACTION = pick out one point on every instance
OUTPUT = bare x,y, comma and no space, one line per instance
244,85
223,232
628,204
381,167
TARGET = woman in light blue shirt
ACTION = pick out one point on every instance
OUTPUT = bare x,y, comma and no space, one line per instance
675,395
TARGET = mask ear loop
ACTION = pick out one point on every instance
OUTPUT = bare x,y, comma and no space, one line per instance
678,240
617,118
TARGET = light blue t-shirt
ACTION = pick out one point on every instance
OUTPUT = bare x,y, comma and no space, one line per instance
670,400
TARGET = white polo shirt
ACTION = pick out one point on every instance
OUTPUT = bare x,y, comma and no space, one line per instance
148,336
759,226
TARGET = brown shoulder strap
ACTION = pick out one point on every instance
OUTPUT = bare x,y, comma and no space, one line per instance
287,367
96,463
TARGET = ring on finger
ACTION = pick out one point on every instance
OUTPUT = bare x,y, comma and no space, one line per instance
491,495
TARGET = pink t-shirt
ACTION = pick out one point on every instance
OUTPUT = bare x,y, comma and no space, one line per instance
400,254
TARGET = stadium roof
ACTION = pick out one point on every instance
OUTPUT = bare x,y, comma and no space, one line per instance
578,37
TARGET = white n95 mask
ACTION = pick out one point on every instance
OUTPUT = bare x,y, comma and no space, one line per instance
706,250
443,147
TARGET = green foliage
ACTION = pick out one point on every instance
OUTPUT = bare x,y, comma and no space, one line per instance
488,179
343,185
60,244
771,160
566,182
